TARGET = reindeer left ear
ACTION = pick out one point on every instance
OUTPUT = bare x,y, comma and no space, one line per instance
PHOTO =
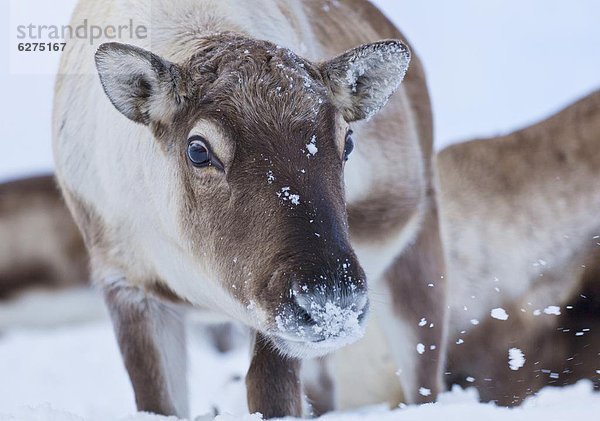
362,79
141,85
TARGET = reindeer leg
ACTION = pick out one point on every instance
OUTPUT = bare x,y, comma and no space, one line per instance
273,382
319,385
413,306
151,336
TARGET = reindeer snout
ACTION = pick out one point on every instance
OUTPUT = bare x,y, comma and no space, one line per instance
323,312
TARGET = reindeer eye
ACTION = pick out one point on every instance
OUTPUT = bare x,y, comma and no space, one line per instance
198,153
349,145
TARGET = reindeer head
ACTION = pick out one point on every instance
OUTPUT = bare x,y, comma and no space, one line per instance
257,138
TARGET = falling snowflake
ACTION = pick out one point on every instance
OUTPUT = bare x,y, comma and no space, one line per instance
516,358
312,146
423,391
499,313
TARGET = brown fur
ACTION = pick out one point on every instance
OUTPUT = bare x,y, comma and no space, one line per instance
209,83
273,378
550,346
256,117
518,198
555,354
387,209
389,206
152,326
41,245
418,289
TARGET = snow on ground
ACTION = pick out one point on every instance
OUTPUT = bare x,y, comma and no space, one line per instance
576,402
74,373
78,369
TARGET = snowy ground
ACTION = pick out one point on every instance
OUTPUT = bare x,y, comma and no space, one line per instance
74,373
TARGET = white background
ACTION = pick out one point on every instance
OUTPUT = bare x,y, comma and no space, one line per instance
493,65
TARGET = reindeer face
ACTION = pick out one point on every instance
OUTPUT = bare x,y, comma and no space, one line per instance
258,138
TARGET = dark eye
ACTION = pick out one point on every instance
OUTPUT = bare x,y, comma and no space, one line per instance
198,153
349,145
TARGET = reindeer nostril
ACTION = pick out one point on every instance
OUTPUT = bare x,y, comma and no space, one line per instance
305,317
361,302
363,314
302,302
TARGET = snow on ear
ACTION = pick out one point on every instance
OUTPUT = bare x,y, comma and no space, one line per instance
362,79
140,84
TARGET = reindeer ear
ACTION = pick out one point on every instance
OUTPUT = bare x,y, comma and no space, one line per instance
140,84
362,79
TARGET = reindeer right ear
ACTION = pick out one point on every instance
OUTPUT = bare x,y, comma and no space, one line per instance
141,85
362,79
